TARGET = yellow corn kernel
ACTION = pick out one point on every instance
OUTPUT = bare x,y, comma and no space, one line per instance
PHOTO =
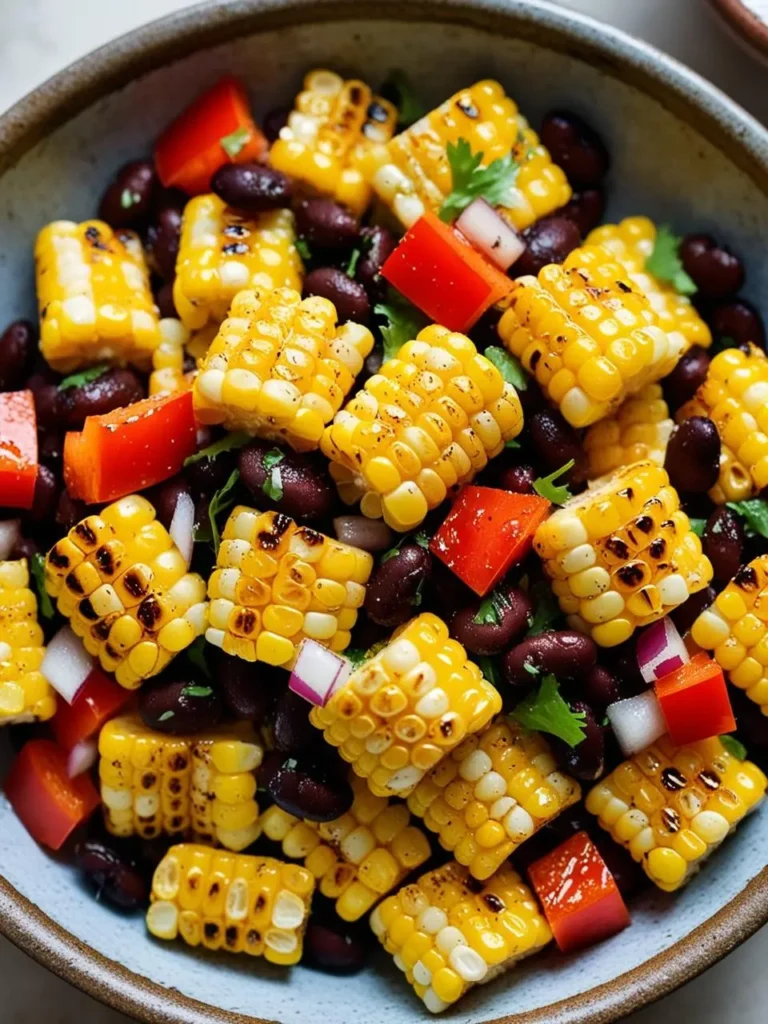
639,431
25,695
168,358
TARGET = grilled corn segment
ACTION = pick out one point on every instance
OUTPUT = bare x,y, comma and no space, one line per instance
335,137
640,430
359,857
93,295
25,695
425,423
407,707
588,335
276,583
280,367
222,251
447,933
622,554
156,784
168,358
416,175
491,794
123,584
241,904
671,806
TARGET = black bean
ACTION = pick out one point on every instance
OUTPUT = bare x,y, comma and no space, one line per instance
723,543
564,653
626,872
396,585
46,496
309,787
689,374
164,232
348,296
128,200
693,455
556,443
291,727
164,300
518,479
24,547
69,510
585,760
113,389
253,188
247,690
716,272
164,497
326,224
371,535
17,353
179,706
49,408
686,613
377,244
303,479
532,398
576,147
622,661
274,121
51,449
752,723
509,619
600,688
737,322
335,946
114,878
547,241
585,209
206,476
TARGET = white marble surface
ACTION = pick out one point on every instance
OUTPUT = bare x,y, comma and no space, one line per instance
37,38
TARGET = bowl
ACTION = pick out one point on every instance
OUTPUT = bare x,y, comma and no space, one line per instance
682,152
747,21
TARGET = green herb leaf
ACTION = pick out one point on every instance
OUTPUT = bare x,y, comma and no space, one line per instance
273,484
697,525
720,345
755,514
196,656
419,538
234,142
546,711
355,656
166,715
354,259
302,247
488,667
665,263
532,670
227,443
37,565
546,610
470,180
418,597
558,494
197,691
409,107
221,501
129,198
76,380
272,458
491,609
512,444
509,367
404,323
734,747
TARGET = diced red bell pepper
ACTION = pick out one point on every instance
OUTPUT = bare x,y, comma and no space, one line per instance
578,894
18,449
486,532
98,699
130,448
694,701
214,130
49,803
438,270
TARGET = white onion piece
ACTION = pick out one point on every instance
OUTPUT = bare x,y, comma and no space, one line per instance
82,757
182,528
361,532
660,650
637,722
489,232
317,673
66,664
10,532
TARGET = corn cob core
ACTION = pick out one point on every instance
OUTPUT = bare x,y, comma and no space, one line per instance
491,794
587,334
335,137
123,584
205,785
241,904
622,554
357,858
279,367
671,806
276,583
425,423
407,707
94,298
447,932
640,430
25,695
221,252
631,241
416,174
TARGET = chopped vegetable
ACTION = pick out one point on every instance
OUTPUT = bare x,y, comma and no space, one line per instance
76,380
755,514
546,711
558,494
18,449
182,526
694,701
96,701
511,370
67,665
660,649
317,672
665,263
636,722
471,180
235,439
404,323
82,757
489,232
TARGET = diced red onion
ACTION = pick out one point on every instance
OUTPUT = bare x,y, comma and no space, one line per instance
182,528
317,673
10,533
82,757
361,532
637,722
66,664
489,232
660,650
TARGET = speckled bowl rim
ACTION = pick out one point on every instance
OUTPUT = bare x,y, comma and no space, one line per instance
678,89
748,28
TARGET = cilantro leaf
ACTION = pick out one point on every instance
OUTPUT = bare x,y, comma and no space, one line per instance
697,525
509,366
196,656
755,514
196,691
546,609
273,482
302,247
234,142
225,444
37,565
419,538
558,494
512,444
404,323
546,711
531,669
129,198
488,667
166,715
400,91
491,609
354,259
665,263
355,656
471,181
272,458
76,380
221,501
734,747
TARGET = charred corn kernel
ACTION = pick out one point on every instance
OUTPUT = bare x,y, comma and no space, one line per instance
631,241
407,707
276,583
238,903
491,794
640,430
416,175
123,584
280,367
94,298
671,806
735,397
335,137
622,554
426,422
25,695
447,933
587,334
221,252
156,784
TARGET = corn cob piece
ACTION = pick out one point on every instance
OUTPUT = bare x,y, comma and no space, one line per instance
277,583
222,251
638,432
241,904
622,554
447,933
168,358
416,175
631,241
587,334
335,138
279,367
94,298
25,695
429,420
491,794
123,584
671,806
156,784
407,707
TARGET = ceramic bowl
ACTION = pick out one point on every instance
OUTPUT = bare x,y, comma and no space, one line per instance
681,152
747,21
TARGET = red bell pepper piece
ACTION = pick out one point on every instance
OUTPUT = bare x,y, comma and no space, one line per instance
214,130
694,701
131,448
18,449
578,894
438,270
486,532
98,699
49,803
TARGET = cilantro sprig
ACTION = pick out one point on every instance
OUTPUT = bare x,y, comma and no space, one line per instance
545,486
37,565
697,525
222,501
76,380
509,367
546,711
193,690
665,263
754,512
354,259
227,443
302,247
472,181
734,747
273,481
545,609
404,322
419,538
492,609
